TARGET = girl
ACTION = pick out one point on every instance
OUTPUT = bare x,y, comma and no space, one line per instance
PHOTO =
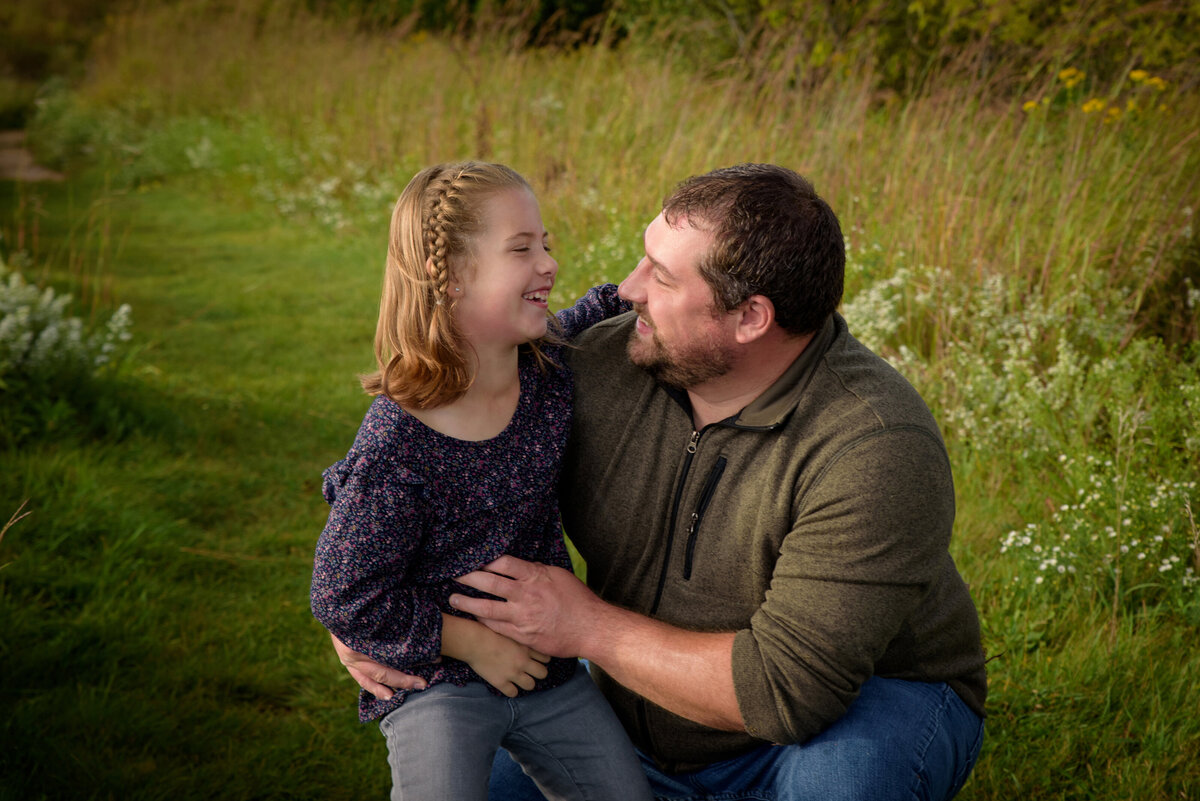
455,464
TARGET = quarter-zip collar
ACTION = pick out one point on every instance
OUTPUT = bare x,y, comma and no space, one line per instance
772,408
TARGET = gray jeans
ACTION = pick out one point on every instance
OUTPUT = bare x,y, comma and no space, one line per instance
441,743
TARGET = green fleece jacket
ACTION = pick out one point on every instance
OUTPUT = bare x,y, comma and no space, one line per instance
815,524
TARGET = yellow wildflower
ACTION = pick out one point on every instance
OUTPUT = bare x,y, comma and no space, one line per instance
1157,82
1137,76
1112,114
1131,105
1095,104
1071,77
1029,106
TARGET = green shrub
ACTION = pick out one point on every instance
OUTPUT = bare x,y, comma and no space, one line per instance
908,43
50,363
1045,393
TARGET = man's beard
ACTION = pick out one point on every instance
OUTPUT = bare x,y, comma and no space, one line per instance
697,361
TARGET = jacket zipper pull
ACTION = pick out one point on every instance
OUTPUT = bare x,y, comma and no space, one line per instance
691,446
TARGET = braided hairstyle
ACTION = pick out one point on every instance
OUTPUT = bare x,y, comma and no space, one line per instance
421,355
441,222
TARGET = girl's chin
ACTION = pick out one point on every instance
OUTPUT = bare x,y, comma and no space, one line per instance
536,332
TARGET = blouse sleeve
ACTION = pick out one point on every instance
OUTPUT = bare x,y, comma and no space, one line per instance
598,303
360,587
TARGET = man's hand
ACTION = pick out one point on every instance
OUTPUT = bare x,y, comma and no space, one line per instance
545,608
379,680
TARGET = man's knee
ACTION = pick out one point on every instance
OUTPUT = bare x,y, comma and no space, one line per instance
899,740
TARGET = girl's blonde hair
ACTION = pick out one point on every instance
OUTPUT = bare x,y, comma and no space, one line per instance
421,355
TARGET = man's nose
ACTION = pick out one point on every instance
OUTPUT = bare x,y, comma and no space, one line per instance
631,289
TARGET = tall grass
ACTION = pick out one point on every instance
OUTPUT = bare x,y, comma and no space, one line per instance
956,178
1028,260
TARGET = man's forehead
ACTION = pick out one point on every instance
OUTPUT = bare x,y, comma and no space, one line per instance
670,241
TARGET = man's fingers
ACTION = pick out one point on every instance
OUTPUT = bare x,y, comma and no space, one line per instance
377,679
510,566
498,576
491,583
380,691
479,607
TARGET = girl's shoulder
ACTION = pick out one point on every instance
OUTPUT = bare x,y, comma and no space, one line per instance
381,449
383,428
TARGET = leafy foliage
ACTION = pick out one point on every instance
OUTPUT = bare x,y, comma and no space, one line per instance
50,364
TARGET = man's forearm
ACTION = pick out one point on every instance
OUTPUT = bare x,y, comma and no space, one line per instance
547,608
686,672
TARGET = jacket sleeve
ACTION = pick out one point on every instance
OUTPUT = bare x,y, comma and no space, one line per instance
361,590
868,539
597,304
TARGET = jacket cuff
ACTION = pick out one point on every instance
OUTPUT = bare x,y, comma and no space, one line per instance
755,696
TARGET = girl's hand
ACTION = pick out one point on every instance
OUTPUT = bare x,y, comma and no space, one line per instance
502,663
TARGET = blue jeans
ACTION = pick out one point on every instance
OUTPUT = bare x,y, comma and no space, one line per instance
898,740
442,741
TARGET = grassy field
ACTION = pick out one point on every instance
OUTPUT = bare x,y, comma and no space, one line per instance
1028,261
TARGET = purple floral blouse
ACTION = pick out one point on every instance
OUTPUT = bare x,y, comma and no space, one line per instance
412,509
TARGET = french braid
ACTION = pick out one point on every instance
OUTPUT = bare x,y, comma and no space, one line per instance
421,355
445,198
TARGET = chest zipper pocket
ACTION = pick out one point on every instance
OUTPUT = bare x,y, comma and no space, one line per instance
710,488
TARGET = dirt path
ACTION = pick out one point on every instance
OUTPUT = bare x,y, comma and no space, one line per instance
17,164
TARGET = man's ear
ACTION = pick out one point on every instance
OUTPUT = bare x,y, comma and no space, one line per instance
756,315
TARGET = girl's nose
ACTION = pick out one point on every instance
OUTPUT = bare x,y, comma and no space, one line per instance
549,266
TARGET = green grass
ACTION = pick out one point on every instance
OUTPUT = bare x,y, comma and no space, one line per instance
1029,271
157,640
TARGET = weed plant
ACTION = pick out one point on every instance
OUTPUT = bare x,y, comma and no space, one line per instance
1027,260
54,373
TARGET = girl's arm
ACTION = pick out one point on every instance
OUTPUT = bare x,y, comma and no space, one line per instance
502,663
360,591
598,303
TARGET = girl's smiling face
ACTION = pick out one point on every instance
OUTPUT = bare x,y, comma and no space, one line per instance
504,288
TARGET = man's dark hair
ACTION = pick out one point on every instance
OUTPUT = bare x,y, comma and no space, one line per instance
773,236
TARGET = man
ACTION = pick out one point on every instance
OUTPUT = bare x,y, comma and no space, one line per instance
765,508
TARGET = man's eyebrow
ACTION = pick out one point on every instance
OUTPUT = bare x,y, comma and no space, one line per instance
659,267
